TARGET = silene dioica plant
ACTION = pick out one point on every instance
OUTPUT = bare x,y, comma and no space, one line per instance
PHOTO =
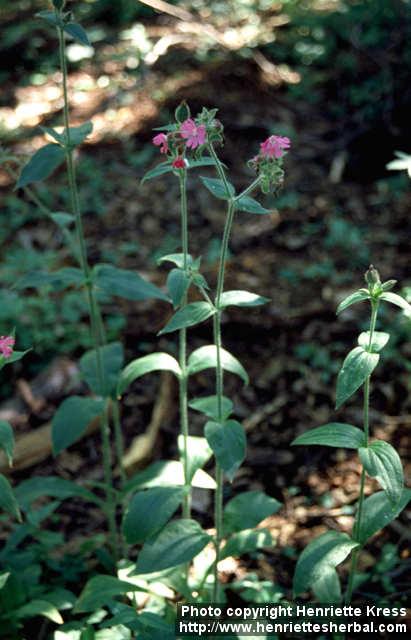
156,552
316,567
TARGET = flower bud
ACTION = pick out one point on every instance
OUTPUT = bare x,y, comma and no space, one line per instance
372,277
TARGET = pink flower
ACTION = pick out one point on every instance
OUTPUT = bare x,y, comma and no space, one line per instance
274,146
179,163
6,345
195,135
160,140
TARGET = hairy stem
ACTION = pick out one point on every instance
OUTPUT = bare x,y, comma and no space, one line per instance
183,399
92,304
366,422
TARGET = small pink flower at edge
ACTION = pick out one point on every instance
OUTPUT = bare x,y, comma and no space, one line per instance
195,135
6,345
179,163
160,140
275,146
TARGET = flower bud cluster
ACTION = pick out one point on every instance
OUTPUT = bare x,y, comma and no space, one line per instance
268,164
188,135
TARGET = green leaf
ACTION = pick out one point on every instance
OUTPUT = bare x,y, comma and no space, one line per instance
149,511
379,340
100,591
164,473
327,588
57,280
177,259
177,543
246,541
72,419
62,219
147,364
57,137
111,359
217,188
77,32
228,442
198,453
39,608
325,552
378,511
8,500
206,358
50,17
190,315
358,296
15,356
80,133
178,283
41,165
126,284
381,461
7,440
209,406
397,300
52,487
357,366
241,299
247,510
334,434
251,206
166,167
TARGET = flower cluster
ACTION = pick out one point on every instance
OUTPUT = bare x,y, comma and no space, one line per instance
188,135
6,346
268,163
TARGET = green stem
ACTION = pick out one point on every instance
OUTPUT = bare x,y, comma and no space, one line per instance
183,398
366,422
92,303
218,505
119,441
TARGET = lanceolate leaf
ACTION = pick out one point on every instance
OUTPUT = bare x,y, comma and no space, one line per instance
57,280
77,32
379,340
166,167
72,419
52,487
39,608
111,358
378,511
41,165
165,473
209,406
177,284
8,500
247,510
334,434
358,365
327,588
325,552
198,453
241,299
147,364
190,315
177,543
217,188
177,259
7,440
381,461
206,358
251,206
149,511
246,542
358,296
394,298
228,442
126,284
100,591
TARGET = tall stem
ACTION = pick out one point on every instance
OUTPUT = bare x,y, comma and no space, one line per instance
366,422
92,302
183,399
